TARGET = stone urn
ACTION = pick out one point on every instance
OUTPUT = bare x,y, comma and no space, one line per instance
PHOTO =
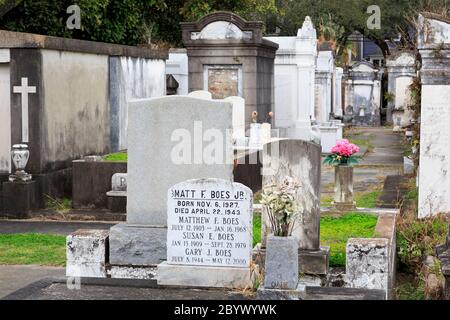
20,155
343,188
281,265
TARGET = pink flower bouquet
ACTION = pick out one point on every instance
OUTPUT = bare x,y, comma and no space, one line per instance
343,153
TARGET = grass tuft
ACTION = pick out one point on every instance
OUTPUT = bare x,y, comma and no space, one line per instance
334,232
30,248
116,157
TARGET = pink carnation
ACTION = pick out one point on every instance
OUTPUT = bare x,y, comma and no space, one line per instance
344,148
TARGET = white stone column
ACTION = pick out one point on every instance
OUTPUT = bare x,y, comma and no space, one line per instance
324,76
338,112
434,174
295,65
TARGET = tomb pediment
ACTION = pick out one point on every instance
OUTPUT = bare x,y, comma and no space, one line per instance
363,66
221,30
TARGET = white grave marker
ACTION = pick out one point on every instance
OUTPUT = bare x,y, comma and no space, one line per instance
209,223
24,90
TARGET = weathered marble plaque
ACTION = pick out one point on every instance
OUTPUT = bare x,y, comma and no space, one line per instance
209,223
223,82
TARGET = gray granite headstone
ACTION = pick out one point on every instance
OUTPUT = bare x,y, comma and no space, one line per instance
156,129
300,160
170,140
281,269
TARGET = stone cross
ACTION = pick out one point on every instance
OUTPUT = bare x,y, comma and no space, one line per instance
24,90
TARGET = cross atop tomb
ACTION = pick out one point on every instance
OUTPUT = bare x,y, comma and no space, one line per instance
24,90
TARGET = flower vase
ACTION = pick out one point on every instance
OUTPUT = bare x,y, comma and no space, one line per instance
19,156
281,263
343,188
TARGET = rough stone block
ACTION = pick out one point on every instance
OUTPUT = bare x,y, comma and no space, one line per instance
124,272
311,262
137,246
314,262
87,253
87,246
281,267
368,263
198,276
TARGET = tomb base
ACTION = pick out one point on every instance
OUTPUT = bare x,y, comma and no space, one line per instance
281,294
117,201
131,245
127,272
344,206
312,262
201,276
19,198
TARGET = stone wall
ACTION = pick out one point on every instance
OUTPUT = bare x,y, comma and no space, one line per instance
5,112
131,78
74,120
370,262
70,112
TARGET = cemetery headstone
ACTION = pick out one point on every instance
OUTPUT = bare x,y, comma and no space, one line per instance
171,139
209,237
238,117
117,197
300,160
201,94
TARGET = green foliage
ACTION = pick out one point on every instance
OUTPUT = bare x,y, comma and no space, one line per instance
278,201
335,159
365,141
350,16
116,157
389,96
39,249
367,199
193,10
335,231
130,22
59,205
417,239
411,290
256,229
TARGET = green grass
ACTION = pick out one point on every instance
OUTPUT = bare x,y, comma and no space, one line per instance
256,229
363,142
257,198
410,290
334,232
59,205
367,199
116,157
29,248
363,200
326,201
